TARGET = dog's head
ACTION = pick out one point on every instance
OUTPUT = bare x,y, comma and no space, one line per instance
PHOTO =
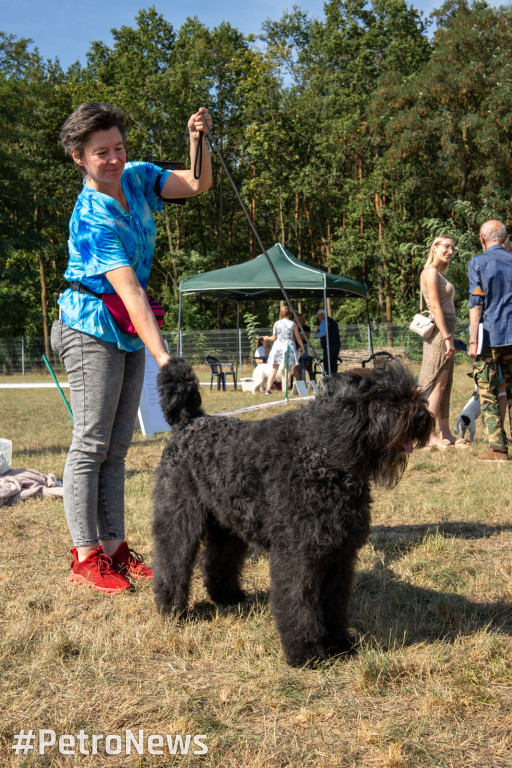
178,387
380,416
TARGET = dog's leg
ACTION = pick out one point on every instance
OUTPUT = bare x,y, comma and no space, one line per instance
221,563
296,607
336,593
177,536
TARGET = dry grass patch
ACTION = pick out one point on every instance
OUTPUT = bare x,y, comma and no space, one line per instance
429,688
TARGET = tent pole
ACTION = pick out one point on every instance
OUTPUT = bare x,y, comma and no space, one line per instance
370,340
239,345
327,328
179,326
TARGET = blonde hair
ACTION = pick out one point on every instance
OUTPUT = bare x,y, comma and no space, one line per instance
443,268
284,311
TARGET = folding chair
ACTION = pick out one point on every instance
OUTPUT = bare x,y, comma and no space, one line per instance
220,371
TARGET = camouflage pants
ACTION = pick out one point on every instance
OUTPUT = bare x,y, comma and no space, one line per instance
486,375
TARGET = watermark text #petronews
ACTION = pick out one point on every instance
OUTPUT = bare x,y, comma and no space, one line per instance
131,742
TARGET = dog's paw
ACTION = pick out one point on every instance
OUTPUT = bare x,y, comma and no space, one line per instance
309,655
343,646
171,612
227,596
168,607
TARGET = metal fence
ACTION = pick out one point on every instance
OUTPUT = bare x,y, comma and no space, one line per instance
24,355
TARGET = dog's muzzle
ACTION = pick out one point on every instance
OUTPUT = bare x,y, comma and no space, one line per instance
421,417
421,429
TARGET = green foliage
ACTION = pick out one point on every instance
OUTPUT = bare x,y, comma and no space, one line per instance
252,325
354,140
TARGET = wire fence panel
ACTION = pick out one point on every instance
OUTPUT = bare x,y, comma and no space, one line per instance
25,355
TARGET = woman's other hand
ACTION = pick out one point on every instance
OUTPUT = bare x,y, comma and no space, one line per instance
125,283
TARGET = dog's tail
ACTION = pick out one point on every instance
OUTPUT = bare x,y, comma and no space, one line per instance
179,392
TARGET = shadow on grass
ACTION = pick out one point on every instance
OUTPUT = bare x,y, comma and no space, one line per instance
395,541
43,451
395,612
208,611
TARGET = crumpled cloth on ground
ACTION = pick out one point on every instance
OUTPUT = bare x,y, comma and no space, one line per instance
17,484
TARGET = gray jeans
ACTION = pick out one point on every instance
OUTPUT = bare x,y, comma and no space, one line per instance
105,385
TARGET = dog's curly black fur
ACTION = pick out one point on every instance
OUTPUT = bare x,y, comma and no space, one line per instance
297,484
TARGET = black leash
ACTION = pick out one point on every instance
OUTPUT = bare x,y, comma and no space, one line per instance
198,160
256,235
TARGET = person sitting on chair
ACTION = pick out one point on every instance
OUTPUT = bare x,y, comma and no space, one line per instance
261,354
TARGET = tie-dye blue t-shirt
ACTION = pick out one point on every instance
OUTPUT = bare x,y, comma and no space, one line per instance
103,236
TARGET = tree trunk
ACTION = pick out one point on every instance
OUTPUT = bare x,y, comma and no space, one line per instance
384,291
252,239
44,299
308,219
281,221
174,260
380,267
201,227
44,304
219,221
298,229
464,181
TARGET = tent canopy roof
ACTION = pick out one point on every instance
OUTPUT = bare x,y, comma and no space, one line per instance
254,279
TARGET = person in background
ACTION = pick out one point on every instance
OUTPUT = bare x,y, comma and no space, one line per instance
331,351
305,360
436,375
285,333
111,243
262,352
502,392
490,317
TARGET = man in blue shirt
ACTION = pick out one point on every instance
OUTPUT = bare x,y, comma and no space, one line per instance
490,316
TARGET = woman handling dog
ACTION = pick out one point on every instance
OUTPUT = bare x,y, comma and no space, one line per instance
111,245
285,335
436,375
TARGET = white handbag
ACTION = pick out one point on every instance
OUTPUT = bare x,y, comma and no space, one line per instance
423,322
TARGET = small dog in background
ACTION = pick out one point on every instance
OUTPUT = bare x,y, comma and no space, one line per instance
468,416
229,483
261,375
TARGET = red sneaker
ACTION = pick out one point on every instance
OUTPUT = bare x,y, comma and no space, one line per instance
97,572
130,563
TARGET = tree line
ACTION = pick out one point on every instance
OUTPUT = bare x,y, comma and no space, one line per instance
354,139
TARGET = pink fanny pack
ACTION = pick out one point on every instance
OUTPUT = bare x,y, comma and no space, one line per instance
118,310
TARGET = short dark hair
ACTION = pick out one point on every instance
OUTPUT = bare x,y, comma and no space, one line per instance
86,119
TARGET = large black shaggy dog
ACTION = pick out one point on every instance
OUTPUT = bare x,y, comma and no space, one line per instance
297,484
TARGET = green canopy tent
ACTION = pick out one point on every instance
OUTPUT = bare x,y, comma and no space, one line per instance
255,280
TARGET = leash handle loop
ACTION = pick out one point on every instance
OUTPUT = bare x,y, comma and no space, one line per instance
198,160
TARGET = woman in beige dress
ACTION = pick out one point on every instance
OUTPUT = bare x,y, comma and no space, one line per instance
436,374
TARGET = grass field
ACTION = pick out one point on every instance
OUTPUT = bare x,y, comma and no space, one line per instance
431,686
